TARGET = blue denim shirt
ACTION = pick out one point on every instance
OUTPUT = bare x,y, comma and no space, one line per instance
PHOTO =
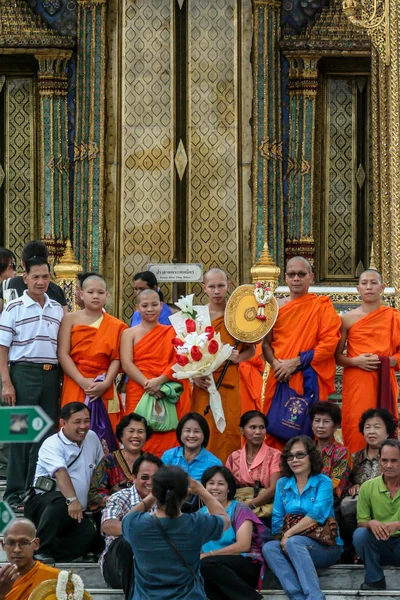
316,500
196,467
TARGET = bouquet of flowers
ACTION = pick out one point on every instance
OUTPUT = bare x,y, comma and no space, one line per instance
199,350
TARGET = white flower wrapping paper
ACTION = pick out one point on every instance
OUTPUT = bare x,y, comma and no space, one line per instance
198,341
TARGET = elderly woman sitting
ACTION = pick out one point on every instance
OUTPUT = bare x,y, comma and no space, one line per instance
255,467
303,517
231,566
114,472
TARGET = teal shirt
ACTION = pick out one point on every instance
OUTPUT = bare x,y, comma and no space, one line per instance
375,502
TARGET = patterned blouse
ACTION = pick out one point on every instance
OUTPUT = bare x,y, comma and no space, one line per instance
337,465
364,468
111,475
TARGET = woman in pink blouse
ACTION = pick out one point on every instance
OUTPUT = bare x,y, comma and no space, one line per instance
256,466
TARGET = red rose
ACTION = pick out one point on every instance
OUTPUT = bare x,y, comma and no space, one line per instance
213,347
177,342
209,330
196,353
182,360
190,325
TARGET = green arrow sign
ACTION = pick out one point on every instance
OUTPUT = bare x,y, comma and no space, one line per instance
6,516
23,423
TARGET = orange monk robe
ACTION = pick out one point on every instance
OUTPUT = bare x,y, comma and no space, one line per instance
24,586
251,381
306,323
378,333
154,355
223,444
92,350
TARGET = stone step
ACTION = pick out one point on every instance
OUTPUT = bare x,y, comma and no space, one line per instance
105,594
339,595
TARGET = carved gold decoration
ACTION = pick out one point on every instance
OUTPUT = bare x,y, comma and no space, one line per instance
265,269
66,272
372,264
237,320
373,17
360,176
181,160
21,28
2,176
271,149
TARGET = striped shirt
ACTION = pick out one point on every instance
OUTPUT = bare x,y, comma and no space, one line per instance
30,331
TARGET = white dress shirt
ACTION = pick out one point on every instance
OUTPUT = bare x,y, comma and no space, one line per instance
58,451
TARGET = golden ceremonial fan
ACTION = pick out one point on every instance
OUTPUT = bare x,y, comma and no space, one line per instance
251,312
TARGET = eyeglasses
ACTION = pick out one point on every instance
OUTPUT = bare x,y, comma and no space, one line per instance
300,274
298,455
22,544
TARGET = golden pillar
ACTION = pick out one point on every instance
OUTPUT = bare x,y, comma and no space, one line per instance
53,149
66,272
266,270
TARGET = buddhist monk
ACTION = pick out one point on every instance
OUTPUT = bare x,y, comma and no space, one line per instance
305,322
215,285
147,355
251,381
88,346
20,544
371,331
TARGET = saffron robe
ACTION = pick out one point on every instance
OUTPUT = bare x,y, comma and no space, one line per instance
24,586
92,350
154,355
306,323
376,333
223,444
251,381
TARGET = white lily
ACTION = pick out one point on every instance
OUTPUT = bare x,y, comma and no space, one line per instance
195,339
185,303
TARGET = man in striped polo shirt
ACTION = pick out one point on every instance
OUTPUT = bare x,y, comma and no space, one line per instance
29,366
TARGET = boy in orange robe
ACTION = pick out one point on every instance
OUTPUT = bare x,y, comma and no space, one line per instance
88,346
251,381
222,444
147,355
24,574
305,322
371,331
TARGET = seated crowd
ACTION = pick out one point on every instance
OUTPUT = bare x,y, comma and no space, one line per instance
265,510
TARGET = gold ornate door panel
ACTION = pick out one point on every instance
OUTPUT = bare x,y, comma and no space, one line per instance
18,168
346,206
176,146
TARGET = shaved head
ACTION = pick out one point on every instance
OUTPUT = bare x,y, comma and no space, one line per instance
215,271
144,294
96,278
372,272
21,527
301,259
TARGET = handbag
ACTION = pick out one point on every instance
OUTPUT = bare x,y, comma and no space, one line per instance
348,506
289,413
247,493
324,534
9,294
161,413
175,549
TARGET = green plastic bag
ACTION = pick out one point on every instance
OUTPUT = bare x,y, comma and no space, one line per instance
161,414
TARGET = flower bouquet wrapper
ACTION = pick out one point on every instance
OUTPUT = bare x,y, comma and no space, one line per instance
200,350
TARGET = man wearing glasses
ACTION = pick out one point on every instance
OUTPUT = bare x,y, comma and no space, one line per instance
23,574
305,322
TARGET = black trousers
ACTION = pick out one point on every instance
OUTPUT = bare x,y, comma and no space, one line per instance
60,536
118,567
33,387
230,577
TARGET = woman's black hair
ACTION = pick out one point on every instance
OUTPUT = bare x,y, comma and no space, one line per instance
170,487
200,420
327,408
151,281
146,457
226,474
383,414
125,421
5,257
34,248
316,463
252,414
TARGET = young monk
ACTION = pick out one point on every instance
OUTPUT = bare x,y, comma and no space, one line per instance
216,286
372,331
147,355
88,346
